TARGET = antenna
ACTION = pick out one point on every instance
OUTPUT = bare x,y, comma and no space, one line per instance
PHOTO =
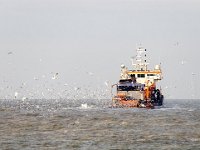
140,62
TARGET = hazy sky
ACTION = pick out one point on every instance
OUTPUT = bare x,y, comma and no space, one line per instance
85,41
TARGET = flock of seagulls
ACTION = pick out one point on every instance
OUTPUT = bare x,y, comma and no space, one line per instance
65,90
49,86
59,91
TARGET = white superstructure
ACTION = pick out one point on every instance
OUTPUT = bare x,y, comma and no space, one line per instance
140,71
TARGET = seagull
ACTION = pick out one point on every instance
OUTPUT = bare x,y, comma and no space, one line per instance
35,78
176,44
76,88
106,83
43,94
24,98
9,53
90,73
183,62
55,76
16,94
193,73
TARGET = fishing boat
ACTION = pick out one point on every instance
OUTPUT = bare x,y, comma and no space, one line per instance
137,86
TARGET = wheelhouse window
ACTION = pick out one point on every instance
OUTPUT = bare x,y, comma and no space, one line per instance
128,85
149,75
132,75
141,75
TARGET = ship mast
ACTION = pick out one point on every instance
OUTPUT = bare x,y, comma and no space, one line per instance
139,62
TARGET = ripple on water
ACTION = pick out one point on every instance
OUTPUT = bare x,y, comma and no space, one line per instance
61,124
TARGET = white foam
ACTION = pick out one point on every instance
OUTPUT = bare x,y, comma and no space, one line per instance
84,106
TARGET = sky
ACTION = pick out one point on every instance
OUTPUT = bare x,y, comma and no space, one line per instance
86,41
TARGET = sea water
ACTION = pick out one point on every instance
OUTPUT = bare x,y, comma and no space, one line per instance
93,124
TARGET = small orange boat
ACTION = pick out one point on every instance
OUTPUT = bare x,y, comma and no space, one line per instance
137,87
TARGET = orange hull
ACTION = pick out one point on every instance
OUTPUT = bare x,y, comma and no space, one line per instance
119,102
129,103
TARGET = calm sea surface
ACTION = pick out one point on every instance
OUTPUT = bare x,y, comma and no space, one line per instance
91,124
